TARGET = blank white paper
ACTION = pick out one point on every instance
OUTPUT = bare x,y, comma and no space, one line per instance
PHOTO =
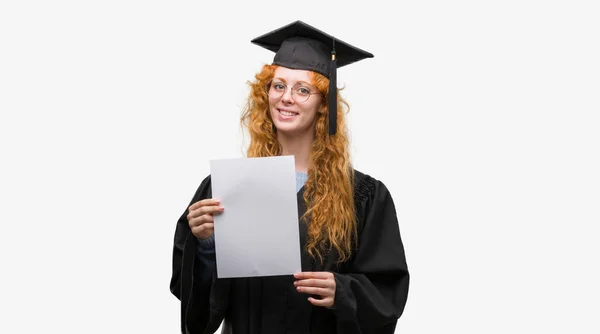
257,234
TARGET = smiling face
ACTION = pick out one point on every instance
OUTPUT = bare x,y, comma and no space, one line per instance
290,113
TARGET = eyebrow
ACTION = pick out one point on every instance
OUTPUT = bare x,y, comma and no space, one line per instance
300,81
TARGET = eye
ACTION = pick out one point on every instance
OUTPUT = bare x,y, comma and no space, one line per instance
303,91
278,86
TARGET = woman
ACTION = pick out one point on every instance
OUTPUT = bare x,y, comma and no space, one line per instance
354,276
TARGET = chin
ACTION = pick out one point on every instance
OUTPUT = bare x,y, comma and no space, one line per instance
288,129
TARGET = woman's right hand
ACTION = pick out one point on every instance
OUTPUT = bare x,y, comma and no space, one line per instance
201,217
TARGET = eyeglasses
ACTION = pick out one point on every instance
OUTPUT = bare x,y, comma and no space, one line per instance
300,93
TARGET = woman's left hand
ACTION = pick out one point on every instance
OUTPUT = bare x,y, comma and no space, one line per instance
321,283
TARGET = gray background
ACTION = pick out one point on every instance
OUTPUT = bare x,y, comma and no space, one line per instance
481,117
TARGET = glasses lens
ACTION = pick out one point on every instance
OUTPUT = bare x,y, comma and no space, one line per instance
301,94
275,89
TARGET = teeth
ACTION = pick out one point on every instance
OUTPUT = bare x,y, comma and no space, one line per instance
286,113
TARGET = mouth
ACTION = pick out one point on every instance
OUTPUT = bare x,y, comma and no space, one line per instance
287,113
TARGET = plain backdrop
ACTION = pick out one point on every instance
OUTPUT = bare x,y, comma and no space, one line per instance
481,117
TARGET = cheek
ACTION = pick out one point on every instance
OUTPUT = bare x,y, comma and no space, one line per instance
313,111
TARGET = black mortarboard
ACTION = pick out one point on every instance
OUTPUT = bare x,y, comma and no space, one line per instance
302,47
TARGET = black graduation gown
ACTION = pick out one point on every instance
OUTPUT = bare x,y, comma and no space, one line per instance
371,288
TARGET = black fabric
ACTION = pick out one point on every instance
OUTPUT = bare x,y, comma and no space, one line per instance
302,53
304,47
332,95
371,288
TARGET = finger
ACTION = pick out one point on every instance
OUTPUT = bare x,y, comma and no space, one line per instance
325,302
208,201
323,283
197,221
315,291
199,230
212,209
201,220
313,274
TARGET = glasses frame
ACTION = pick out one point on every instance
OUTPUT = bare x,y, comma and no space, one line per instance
268,87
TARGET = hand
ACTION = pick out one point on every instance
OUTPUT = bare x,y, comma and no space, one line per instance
201,217
321,283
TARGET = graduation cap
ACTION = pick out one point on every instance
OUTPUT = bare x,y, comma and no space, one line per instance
302,47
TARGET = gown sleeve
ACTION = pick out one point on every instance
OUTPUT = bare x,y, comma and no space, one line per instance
372,290
191,276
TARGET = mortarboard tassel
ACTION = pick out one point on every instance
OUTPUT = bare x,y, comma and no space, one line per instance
332,98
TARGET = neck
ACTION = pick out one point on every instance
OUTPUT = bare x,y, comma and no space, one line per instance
298,146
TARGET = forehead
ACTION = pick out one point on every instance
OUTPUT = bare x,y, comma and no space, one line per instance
292,76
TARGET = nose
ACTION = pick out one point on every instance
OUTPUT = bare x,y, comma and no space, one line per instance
287,96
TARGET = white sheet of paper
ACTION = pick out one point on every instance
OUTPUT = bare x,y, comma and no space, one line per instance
257,234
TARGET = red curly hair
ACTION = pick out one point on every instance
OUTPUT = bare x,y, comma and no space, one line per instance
329,189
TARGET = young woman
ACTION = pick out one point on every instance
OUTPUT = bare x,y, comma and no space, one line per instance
354,275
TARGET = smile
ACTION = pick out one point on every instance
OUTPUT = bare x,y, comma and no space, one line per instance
287,113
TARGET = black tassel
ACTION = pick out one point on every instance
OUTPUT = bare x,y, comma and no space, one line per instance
332,98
